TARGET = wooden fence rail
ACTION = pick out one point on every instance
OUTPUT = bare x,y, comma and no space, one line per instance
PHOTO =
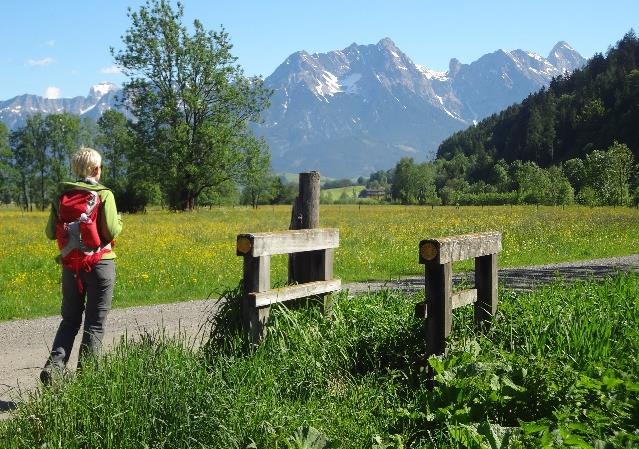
257,250
437,255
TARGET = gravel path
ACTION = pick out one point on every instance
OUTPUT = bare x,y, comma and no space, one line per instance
26,342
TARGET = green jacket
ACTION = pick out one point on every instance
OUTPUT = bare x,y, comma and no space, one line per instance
109,221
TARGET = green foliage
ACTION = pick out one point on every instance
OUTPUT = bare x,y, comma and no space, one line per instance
381,179
413,183
620,167
41,151
556,369
191,101
567,125
8,175
29,150
62,133
608,176
124,171
133,194
575,172
479,199
257,179
284,192
115,140
308,437
226,194
591,108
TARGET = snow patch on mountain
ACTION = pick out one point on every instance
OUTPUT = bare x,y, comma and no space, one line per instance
328,86
432,74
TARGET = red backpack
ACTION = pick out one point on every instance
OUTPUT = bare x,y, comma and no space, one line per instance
77,231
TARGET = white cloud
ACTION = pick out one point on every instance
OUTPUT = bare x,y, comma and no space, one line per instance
40,62
111,70
50,43
52,92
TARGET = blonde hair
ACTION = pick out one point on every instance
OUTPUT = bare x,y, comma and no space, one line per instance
85,161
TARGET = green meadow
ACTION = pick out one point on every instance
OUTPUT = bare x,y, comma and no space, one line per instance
169,257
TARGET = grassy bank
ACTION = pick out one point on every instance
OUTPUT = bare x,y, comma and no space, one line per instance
167,257
557,369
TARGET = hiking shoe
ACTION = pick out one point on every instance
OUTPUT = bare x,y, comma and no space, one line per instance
45,376
48,374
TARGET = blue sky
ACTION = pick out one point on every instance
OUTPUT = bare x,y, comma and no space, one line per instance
62,48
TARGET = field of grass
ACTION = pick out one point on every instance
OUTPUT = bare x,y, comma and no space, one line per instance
167,257
558,368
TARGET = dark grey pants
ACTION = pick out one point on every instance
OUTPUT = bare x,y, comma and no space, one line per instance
94,302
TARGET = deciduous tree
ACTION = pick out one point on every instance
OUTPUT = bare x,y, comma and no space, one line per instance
62,139
115,139
191,102
29,145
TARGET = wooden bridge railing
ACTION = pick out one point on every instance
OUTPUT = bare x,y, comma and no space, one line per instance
257,250
437,255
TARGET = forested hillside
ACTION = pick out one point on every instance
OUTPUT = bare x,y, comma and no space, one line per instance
587,110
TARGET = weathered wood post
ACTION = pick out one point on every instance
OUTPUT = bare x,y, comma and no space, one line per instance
256,249
305,215
312,265
257,278
437,255
486,285
439,320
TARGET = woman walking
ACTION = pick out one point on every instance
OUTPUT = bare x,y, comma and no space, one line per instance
84,221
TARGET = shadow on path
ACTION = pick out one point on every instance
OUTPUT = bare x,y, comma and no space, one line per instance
523,278
528,278
6,406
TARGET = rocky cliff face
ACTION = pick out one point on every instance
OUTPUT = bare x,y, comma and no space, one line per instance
362,108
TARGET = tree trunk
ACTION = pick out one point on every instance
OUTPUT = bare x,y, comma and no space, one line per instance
42,190
190,201
25,192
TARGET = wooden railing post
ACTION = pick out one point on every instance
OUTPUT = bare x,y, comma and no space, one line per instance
256,250
257,278
325,273
437,255
305,215
439,280
486,285
312,265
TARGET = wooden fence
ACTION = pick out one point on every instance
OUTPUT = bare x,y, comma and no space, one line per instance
437,255
310,269
257,250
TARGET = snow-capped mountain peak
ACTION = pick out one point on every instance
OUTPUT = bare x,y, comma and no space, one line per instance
101,89
363,107
432,74
565,58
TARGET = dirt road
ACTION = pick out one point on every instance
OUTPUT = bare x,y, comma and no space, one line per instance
25,343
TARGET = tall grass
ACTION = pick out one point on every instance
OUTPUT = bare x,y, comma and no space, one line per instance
557,369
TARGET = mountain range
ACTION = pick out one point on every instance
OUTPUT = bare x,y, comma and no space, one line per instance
102,96
360,109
